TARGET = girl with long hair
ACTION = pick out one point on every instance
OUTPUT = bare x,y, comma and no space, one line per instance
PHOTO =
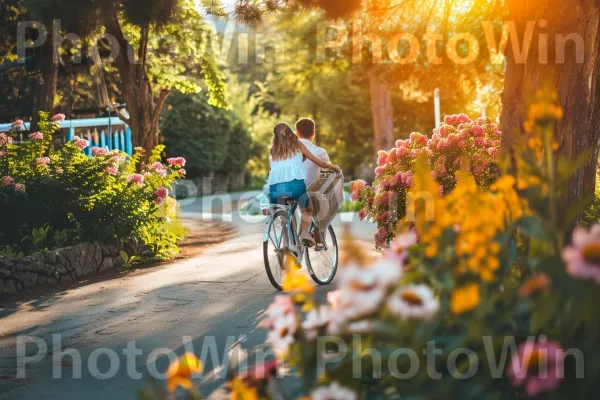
287,175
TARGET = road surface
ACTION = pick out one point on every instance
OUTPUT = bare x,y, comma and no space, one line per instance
119,326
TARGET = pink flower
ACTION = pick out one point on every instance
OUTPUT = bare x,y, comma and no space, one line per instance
136,178
43,161
283,305
583,256
382,236
176,162
157,165
99,151
116,160
379,171
362,214
399,248
382,159
5,139
418,139
58,118
479,141
17,124
75,138
333,298
493,152
112,171
6,180
538,367
36,136
82,143
357,185
354,196
162,192
384,218
182,172
2,153
19,187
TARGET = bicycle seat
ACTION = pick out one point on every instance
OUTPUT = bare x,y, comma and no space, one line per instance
285,200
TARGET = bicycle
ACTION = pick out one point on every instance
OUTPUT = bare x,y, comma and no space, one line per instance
281,235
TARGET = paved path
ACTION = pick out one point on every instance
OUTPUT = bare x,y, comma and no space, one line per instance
209,299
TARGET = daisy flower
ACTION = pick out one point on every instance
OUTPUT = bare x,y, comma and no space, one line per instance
414,301
333,392
538,367
583,256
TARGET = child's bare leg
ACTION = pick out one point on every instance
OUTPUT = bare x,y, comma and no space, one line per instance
306,214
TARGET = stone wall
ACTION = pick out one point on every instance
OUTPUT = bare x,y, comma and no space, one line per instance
54,266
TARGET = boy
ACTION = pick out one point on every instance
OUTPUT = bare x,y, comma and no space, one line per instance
306,130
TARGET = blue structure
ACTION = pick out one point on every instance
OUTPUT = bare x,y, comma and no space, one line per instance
118,139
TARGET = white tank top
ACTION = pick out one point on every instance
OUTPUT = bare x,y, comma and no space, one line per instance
286,170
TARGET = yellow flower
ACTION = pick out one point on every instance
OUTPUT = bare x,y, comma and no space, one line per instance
297,283
465,299
180,372
241,391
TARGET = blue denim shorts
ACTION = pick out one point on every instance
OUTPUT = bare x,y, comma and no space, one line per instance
295,189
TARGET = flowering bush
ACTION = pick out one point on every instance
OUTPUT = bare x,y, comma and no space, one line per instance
458,140
107,197
488,303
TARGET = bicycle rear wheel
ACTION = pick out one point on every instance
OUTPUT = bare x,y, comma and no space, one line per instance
276,243
322,261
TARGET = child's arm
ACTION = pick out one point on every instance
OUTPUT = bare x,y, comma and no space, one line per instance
316,160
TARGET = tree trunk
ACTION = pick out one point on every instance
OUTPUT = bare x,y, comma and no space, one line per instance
45,88
381,108
143,106
576,81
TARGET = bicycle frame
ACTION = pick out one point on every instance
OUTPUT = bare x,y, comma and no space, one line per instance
291,229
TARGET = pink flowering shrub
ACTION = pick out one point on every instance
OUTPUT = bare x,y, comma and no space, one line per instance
458,140
108,197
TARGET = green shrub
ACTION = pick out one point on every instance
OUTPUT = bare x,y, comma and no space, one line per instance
107,197
212,137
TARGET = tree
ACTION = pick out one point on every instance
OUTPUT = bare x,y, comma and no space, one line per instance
159,44
573,69
210,138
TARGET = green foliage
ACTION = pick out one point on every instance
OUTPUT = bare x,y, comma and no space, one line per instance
213,139
101,198
591,215
37,238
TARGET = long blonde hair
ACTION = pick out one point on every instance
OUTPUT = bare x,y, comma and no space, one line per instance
284,144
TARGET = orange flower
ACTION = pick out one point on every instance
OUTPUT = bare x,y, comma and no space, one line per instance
180,372
465,299
534,284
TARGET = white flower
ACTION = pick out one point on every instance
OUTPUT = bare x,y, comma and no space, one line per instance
360,291
333,392
399,248
282,335
388,273
316,319
414,301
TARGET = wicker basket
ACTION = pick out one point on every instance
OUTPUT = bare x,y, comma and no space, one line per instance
327,196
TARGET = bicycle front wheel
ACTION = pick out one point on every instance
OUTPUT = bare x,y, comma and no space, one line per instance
274,246
322,261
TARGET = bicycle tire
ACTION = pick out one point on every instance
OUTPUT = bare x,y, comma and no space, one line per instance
266,255
334,267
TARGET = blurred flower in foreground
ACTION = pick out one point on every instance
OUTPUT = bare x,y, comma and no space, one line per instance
181,371
534,284
583,256
465,299
414,301
538,367
333,392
